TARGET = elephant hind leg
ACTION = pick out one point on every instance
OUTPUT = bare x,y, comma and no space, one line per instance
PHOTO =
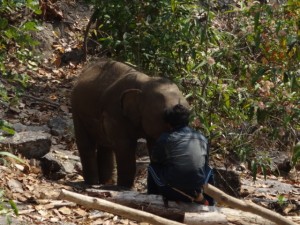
106,165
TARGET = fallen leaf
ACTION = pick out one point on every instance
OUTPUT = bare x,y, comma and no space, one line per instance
54,220
80,212
65,210
64,108
15,186
98,222
43,213
289,208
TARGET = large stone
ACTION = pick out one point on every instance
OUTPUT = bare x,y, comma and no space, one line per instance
30,144
57,164
227,181
52,168
60,126
141,149
11,220
18,127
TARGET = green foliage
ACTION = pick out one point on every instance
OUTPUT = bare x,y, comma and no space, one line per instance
7,206
7,209
281,200
10,155
6,127
261,162
151,34
296,154
13,30
15,42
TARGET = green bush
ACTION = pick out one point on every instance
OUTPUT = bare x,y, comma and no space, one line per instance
16,26
7,209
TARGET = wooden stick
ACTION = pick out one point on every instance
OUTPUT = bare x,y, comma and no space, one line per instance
246,206
114,208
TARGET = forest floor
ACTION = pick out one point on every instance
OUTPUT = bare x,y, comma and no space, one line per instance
48,96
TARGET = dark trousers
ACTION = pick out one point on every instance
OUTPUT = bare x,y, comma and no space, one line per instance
156,186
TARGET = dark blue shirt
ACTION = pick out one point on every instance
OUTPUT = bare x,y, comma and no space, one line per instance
182,158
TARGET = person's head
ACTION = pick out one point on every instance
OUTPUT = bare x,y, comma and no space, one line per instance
177,116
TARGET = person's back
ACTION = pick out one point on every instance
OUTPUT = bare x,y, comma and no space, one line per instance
186,152
179,160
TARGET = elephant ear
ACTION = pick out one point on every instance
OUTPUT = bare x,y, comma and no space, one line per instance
130,103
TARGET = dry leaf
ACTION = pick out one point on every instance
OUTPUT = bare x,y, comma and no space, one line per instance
15,186
42,212
65,210
289,208
98,222
64,108
53,97
54,220
80,212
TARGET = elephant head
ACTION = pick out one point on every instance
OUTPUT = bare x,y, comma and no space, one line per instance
145,106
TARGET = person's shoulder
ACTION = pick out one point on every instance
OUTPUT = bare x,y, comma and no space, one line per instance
198,134
164,136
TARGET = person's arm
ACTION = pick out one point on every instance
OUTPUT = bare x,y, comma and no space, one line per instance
158,150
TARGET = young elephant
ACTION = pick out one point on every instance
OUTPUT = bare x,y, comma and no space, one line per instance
113,105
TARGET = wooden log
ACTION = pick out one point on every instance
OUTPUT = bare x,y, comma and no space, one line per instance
246,206
114,208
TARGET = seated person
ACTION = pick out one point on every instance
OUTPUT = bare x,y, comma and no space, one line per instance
179,161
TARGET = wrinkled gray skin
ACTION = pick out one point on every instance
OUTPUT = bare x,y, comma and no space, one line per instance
113,105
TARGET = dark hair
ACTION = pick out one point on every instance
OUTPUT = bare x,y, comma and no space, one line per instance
177,116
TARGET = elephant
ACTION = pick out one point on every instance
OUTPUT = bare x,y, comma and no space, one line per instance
113,105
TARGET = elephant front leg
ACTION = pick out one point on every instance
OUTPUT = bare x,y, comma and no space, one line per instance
126,164
88,156
106,165
88,153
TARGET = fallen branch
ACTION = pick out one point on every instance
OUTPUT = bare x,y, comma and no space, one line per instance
246,206
114,208
49,102
92,20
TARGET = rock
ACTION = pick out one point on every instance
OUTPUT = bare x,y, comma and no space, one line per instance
15,186
4,220
31,144
141,149
75,56
270,186
46,39
282,164
57,164
18,127
227,181
284,167
60,126
52,168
